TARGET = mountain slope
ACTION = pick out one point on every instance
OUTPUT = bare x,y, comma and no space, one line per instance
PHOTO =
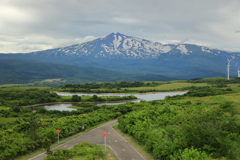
115,46
118,52
25,72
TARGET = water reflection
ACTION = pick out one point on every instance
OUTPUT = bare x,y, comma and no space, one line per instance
146,97
60,107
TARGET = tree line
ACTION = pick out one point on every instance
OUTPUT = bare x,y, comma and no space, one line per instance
216,82
27,97
108,85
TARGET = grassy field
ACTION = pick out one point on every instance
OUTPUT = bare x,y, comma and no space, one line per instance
24,88
234,87
170,86
84,97
218,99
12,85
106,151
163,86
4,108
7,120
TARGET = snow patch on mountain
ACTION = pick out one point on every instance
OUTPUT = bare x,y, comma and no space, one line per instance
127,44
117,45
204,49
117,41
182,49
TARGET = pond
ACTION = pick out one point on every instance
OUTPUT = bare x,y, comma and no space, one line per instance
142,96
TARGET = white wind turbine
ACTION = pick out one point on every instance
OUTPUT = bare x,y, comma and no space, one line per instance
238,73
228,67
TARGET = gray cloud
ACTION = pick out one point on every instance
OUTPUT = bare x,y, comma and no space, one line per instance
65,43
51,23
183,41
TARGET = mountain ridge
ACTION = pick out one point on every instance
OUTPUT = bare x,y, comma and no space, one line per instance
122,53
130,43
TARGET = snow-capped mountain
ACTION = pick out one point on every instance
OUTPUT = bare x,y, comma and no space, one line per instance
119,52
128,47
118,45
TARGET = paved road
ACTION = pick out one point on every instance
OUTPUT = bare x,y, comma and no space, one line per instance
120,147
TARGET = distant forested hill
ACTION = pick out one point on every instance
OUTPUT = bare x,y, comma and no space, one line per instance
12,72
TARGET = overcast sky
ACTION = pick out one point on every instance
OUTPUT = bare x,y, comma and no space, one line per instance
32,25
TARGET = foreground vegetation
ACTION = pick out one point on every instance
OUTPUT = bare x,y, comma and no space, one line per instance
176,130
201,124
83,151
26,135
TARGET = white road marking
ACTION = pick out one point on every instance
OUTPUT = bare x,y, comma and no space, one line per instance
114,152
65,146
123,150
115,140
128,143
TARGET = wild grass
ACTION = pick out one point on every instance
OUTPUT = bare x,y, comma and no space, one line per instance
7,120
83,97
106,151
12,85
24,88
4,108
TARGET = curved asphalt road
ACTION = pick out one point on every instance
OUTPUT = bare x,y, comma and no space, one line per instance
120,147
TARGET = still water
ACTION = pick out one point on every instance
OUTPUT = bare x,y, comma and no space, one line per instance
146,97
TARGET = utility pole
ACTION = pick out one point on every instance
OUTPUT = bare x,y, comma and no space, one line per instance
104,134
58,131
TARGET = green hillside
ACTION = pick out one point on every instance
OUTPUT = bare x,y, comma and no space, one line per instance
56,74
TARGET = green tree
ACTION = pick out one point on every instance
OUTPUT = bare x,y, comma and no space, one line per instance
95,98
75,98
34,124
189,154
